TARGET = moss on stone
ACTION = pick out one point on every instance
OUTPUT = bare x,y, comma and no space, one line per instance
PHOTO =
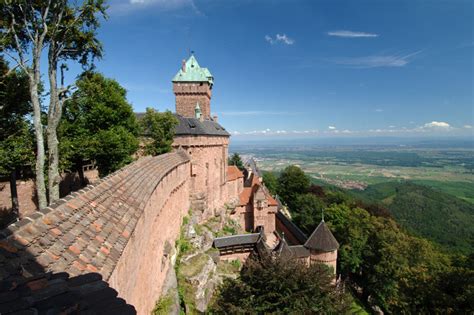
194,265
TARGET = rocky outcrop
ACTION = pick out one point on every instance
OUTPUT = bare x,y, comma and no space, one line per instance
199,269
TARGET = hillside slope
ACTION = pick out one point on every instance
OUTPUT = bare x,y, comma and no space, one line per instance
429,213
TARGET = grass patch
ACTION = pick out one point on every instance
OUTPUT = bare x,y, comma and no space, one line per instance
199,229
185,289
194,265
357,309
229,267
186,296
163,306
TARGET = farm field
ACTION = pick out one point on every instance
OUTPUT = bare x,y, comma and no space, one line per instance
356,167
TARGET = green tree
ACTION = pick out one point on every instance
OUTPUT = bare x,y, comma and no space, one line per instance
352,227
98,124
16,145
291,183
237,161
67,30
307,212
271,182
160,127
280,286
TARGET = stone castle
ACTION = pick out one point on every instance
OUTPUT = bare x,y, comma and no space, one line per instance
109,247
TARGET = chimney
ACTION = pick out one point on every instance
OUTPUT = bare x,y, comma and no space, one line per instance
214,118
183,65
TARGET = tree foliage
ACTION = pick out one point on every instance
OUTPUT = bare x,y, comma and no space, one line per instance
160,128
237,161
16,143
308,211
271,182
279,286
394,270
98,124
427,212
291,183
67,30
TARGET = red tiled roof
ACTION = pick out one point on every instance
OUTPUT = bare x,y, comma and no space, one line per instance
271,201
233,173
248,192
245,196
255,180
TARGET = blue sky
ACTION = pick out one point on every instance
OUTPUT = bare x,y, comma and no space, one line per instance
303,68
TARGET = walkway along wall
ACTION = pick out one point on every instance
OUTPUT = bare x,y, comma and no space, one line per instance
118,228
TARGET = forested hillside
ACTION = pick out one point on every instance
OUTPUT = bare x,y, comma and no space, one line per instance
386,265
427,212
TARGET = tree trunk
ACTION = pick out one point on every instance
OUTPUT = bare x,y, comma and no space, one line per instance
54,115
14,194
34,80
53,157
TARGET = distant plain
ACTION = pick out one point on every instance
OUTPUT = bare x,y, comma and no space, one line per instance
445,168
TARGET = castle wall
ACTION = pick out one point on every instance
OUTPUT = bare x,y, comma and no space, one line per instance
123,228
208,155
27,192
236,256
234,188
328,258
266,218
188,94
244,215
141,270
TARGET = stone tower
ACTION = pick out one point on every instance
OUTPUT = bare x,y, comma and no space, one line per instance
323,246
205,141
192,86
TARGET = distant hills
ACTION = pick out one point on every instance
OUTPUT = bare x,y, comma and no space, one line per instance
426,212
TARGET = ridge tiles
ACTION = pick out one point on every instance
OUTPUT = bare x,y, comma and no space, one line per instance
88,230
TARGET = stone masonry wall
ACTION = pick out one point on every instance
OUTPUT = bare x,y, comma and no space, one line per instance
188,94
140,272
328,258
234,188
208,189
119,228
27,195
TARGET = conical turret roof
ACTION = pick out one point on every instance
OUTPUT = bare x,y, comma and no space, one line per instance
282,249
322,239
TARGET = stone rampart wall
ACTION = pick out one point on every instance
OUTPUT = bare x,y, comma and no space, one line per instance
118,228
208,171
141,270
27,195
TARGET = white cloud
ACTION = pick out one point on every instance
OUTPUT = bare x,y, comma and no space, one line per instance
437,125
125,7
431,128
379,110
283,38
351,34
377,61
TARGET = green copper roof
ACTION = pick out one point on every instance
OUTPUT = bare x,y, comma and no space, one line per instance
193,73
